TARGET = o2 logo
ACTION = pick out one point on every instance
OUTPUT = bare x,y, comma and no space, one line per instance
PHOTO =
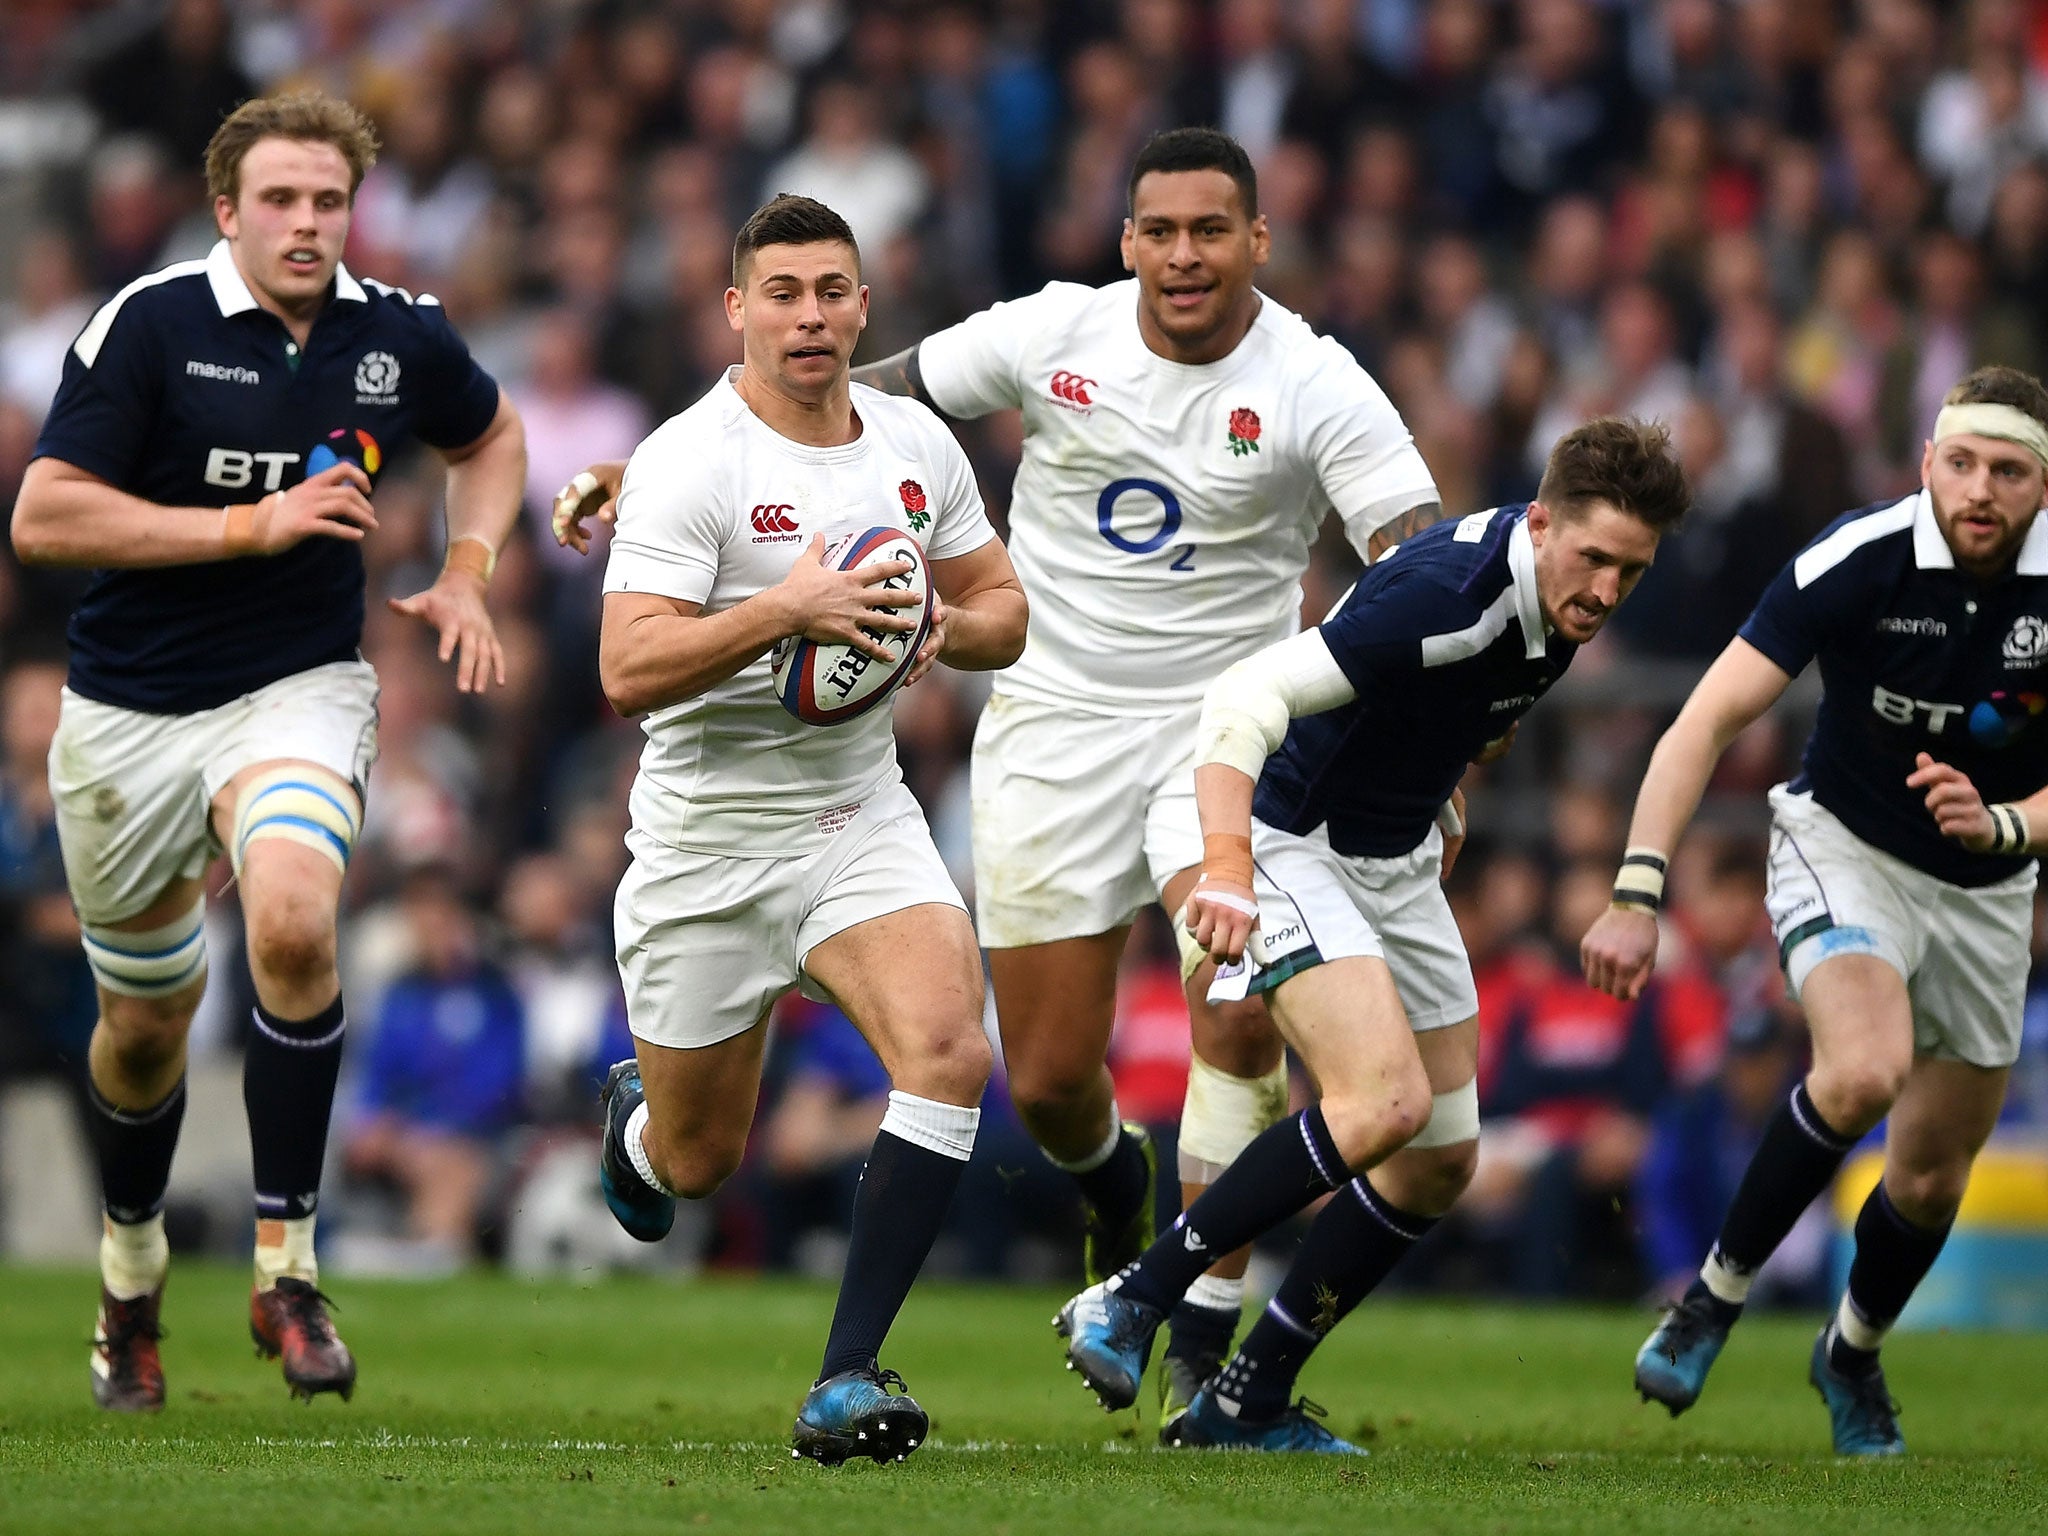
1169,521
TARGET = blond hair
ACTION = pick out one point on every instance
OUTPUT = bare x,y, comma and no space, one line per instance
311,117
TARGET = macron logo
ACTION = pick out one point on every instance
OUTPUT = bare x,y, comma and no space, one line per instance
222,372
773,524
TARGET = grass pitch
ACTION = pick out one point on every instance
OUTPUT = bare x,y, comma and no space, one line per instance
493,1405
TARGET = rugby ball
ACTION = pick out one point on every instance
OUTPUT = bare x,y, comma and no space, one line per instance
825,683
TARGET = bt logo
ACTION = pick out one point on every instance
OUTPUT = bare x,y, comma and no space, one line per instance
1902,710
234,468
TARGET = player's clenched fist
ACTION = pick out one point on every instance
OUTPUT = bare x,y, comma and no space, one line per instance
1222,910
594,493
846,607
1619,950
333,504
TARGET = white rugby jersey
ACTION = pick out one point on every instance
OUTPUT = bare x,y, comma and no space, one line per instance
716,507
1163,512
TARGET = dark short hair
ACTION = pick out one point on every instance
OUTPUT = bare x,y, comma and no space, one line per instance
1619,460
1197,149
311,117
788,219
2000,385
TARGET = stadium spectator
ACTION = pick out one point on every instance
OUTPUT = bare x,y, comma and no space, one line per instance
50,307
444,1079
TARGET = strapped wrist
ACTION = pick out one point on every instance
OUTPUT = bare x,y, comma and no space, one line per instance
242,525
471,552
1639,884
2010,832
1227,856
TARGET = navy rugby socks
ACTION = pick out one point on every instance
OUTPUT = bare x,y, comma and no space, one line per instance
288,1080
1893,1256
918,1157
1355,1243
1286,1166
1117,1187
134,1148
1798,1158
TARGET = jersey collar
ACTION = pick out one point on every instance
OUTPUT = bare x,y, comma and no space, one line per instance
232,294
1931,551
1528,607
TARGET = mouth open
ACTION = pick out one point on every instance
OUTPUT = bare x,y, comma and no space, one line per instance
303,260
1188,297
811,352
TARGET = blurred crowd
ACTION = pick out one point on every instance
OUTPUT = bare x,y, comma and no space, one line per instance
1784,226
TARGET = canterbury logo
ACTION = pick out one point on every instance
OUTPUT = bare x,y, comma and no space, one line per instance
771,519
1071,388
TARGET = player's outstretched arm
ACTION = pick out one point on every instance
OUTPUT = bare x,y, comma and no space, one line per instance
486,478
1620,948
68,516
593,493
1245,715
979,618
898,375
1959,810
655,651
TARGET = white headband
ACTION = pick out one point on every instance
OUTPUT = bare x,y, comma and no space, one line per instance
2005,422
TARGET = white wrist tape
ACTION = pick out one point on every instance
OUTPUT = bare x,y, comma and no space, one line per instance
1247,709
1242,904
2009,830
1640,882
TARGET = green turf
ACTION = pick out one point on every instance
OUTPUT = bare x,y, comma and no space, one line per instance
492,1405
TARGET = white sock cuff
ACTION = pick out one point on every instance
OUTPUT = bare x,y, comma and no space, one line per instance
1216,1293
1101,1154
1724,1280
1856,1330
636,1150
947,1129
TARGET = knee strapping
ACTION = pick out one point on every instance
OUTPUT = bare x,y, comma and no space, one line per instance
153,963
1223,1114
298,807
1453,1117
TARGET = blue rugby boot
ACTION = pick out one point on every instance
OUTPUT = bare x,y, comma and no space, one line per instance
1109,1340
1297,1429
644,1211
853,1414
1672,1365
1864,1417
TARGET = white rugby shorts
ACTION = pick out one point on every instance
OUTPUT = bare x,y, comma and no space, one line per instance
1964,951
133,791
1316,905
707,941
1079,819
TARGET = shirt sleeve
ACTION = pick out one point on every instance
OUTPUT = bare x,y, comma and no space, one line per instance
461,399
1365,460
977,366
961,523
101,418
1380,631
671,527
1792,623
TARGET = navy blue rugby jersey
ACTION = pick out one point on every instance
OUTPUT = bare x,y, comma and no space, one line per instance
1915,656
1445,642
184,392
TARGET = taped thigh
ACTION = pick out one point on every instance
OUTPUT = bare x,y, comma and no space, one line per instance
154,962
1453,1117
297,805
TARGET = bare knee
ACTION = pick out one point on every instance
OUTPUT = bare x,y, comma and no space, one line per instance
1854,1095
695,1167
1929,1195
144,1037
1370,1125
1441,1175
950,1062
293,947
1238,1038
